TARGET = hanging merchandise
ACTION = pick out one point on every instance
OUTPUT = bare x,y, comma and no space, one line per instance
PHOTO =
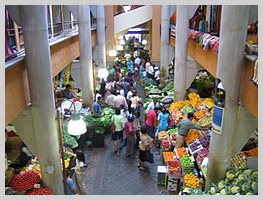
61,80
68,74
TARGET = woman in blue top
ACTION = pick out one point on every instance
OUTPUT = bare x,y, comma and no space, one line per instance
163,120
130,65
141,73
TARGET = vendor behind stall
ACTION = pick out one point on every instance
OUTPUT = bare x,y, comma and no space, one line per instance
183,127
67,93
97,106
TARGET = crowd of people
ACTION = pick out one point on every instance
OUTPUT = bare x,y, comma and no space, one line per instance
118,92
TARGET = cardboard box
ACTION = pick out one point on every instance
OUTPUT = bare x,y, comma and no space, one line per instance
161,175
173,184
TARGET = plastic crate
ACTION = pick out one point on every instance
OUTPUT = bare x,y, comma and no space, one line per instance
198,149
174,173
187,170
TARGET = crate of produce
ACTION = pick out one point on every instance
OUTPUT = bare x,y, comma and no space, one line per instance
187,164
187,108
206,121
176,114
203,153
169,156
181,152
195,147
209,103
174,168
166,144
173,184
192,135
99,130
173,132
163,135
200,113
191,180
204,141
239,161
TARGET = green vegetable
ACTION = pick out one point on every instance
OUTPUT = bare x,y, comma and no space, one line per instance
223,192
168,87
242,178
250,193
254,175
245,187
213,189
254,187
230,175
248,172
221,184
234,189
234,181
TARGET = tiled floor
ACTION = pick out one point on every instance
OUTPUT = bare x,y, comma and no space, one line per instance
111,174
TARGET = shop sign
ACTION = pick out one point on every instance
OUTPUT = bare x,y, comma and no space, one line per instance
217,123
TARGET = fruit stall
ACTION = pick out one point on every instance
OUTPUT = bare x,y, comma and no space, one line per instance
189,174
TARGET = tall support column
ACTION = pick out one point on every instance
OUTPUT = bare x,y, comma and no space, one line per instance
182,25
85,54
233,33
164,43
35,31
101,36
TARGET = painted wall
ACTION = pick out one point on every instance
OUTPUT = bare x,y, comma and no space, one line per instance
109,34
156,32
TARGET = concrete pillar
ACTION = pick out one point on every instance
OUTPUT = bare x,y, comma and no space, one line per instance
182,26
101,36
208,16
35,32
164,43
85,54
233,31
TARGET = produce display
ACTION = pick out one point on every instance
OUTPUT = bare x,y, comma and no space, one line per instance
176,105
204,170
169,156
205,121
203,153
153,89
166,144
191,191
186,161
239,161
200,113
173,131
187,109
39,191
79,94
180,152
205,141
244,182
166,82
176,114
253,152
209,103
212,111
174,165
148,81
24,180
195,99
168,87
191,180
108,112
163,135
192,135
68,139
195,147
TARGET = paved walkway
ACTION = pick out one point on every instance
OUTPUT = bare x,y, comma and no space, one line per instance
111,174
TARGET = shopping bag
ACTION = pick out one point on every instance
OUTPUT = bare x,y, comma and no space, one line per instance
149,156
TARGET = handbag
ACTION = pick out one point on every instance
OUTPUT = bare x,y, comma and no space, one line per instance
149,156
112,128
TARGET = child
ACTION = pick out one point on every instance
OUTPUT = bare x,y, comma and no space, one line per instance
70,189
130,135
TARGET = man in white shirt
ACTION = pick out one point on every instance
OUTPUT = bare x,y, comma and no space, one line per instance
110,99
137,60
151,71
129,94
136,53
152,105
147,66
157,75
118,100
127,56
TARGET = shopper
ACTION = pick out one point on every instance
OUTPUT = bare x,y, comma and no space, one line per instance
80,161
102,87
147,66
120,88
183,127
70,189
163,120
151,121
142,71
97,106
67,93
157,75
127,56
130,65
151,71
197,19
130,135
126,86
128,97
124,114
146,142
166,101
152,105
136,125
135,100
110,99
117,120
108,88
130,79
118,100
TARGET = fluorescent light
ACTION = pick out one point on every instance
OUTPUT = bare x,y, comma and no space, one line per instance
112,53
144,41
103,73
76,125
119,47
122,41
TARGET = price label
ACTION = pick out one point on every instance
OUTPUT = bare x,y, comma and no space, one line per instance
192,158
174,157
